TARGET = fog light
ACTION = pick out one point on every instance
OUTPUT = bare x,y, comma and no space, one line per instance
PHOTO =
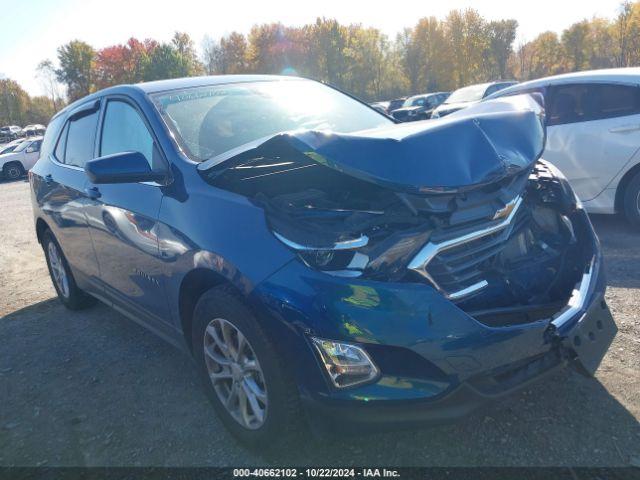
346,364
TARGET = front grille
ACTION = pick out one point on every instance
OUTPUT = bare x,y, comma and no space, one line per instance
457,266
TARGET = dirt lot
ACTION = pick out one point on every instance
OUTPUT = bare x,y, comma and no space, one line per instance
93,388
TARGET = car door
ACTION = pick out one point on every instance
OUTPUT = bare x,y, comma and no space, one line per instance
593,131
123,217
59,186
31,154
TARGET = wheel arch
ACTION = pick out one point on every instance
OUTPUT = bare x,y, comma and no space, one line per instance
14,162
622,186
194,284
41,227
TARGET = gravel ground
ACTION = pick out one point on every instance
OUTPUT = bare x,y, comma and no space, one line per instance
94,389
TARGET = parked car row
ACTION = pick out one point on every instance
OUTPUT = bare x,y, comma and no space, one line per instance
13,132
593,129
438,104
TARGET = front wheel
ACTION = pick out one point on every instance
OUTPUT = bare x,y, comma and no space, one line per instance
631,201
68,292
244,376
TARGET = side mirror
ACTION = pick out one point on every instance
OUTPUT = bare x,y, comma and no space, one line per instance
125,167
30,150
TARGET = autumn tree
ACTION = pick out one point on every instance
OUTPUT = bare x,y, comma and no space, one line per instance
126,63
502,34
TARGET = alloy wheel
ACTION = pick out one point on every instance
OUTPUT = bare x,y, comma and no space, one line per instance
12,172
235,373
58,270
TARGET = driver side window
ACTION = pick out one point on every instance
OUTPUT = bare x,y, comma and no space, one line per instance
124,130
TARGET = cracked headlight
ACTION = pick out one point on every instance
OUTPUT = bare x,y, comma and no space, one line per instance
346,364
341,258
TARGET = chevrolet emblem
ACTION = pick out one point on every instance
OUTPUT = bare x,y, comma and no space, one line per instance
505,211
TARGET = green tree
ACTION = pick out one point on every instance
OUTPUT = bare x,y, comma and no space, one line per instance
40,110
14,102
186,49
76,68
166,61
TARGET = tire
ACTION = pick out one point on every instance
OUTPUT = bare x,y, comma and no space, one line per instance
13,171
68,291
282,418
631,201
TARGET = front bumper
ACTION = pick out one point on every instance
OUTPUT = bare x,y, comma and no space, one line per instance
438,363
595,328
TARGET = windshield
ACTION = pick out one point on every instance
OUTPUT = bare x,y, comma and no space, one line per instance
211,120
410,102
22,146
8,149
467,94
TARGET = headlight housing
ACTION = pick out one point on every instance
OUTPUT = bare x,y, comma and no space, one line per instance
568,190
341,258
346,364
355,257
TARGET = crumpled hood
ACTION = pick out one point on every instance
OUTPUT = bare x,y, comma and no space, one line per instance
486,143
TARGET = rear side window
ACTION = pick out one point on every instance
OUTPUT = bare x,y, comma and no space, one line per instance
80,139
616,101
50,136
587,102
124,130
76,144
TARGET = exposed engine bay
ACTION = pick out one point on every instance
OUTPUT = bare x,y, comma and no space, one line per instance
504,248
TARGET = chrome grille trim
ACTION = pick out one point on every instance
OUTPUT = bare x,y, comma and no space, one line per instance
430,250
578,297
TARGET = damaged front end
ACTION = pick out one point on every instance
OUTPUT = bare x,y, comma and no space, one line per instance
447,259
464,205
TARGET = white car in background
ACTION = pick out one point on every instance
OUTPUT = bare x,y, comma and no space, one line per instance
11,146
466,96
593,135
15,164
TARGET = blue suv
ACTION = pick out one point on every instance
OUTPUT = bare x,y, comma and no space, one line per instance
320,263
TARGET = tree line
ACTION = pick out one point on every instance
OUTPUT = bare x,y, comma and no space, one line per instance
433,55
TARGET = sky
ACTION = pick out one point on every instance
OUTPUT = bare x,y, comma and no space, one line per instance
32,29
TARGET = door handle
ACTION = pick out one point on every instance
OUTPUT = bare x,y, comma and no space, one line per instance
625,129
93,192
48,179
